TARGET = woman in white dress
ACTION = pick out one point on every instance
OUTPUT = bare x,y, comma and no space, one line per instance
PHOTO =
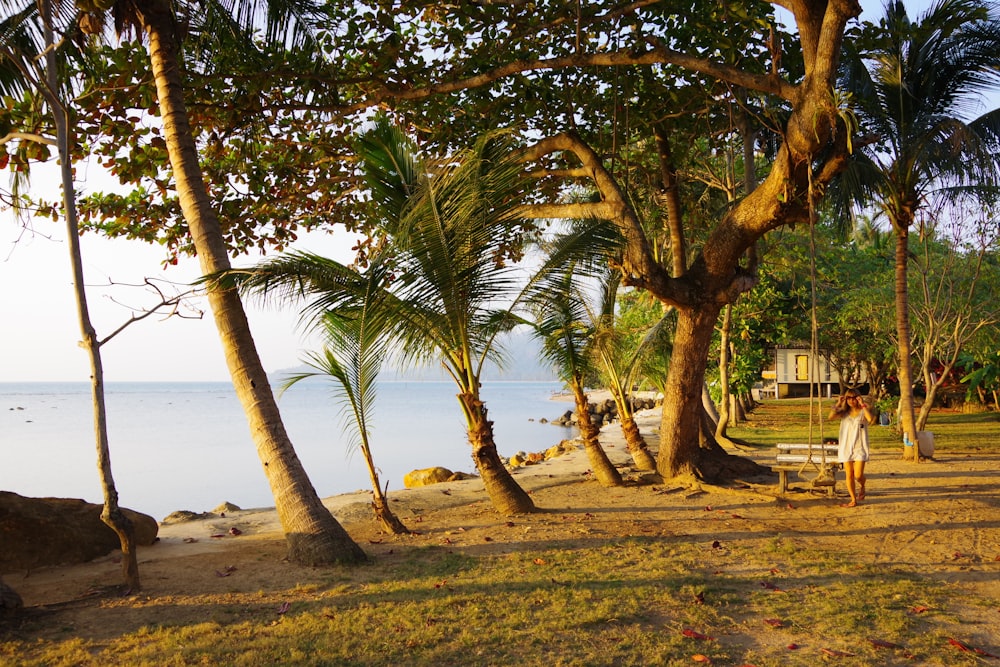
853,450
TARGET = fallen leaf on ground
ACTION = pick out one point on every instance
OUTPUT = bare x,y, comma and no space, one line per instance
970,649
769,586
836,654
285,606
919,609
775,622
698,657
694,634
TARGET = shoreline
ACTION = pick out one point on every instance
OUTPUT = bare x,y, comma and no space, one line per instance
354,506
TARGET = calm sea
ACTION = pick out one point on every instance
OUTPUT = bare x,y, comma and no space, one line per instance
187,446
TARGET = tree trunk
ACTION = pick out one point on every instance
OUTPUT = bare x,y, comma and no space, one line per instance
314,536
111,514
711,413
724,402
687,440
906,413
380,503
506,495
604,470
671,201
637,446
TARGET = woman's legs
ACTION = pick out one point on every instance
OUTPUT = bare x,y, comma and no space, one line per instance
859,474
849,472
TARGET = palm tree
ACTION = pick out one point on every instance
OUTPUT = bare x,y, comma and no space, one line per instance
914,83
313,534
620,361
565,327
356,346
448,229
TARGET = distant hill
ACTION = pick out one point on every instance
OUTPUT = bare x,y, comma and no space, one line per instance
522,353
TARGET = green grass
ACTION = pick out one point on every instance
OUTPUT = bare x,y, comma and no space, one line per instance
626,602
787,420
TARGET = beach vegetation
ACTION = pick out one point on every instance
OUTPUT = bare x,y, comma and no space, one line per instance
566,321
914,84
356,344
449,232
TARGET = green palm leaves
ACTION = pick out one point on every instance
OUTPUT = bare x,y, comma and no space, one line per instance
439,284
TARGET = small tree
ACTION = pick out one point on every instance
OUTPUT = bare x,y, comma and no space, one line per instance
356,346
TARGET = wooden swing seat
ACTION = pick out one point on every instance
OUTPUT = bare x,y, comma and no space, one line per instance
793,457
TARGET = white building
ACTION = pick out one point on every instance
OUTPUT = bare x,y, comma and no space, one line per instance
793,370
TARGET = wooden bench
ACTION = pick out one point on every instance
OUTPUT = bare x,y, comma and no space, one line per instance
793,457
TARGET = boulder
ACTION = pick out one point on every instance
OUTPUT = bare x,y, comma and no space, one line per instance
435,475
10,601
36,532
555,451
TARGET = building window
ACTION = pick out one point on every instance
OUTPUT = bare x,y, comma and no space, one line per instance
802,367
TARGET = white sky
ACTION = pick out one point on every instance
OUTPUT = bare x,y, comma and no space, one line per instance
39,328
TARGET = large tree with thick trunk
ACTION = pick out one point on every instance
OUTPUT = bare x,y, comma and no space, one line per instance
596,80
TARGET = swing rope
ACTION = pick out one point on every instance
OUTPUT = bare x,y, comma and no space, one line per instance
823,477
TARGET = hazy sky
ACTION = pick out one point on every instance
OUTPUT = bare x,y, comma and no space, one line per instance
39,329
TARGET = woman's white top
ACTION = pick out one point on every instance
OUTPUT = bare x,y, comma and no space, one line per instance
853,438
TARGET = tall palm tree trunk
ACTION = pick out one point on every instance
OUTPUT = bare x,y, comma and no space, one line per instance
314,536
636,444
604,470
506,495
725,404
906,412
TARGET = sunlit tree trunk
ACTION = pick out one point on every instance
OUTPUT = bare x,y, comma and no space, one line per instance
681,416
314,536
725,404
604,470
906,412
506,495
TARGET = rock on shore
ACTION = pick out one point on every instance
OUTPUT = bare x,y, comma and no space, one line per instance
57,531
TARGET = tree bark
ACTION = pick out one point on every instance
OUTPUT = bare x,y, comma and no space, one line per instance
111,514
905,372
725,404
507,496
637,446
680,452
604,470
380,503
314,536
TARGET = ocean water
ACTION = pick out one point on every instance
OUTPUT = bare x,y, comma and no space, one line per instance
186,446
